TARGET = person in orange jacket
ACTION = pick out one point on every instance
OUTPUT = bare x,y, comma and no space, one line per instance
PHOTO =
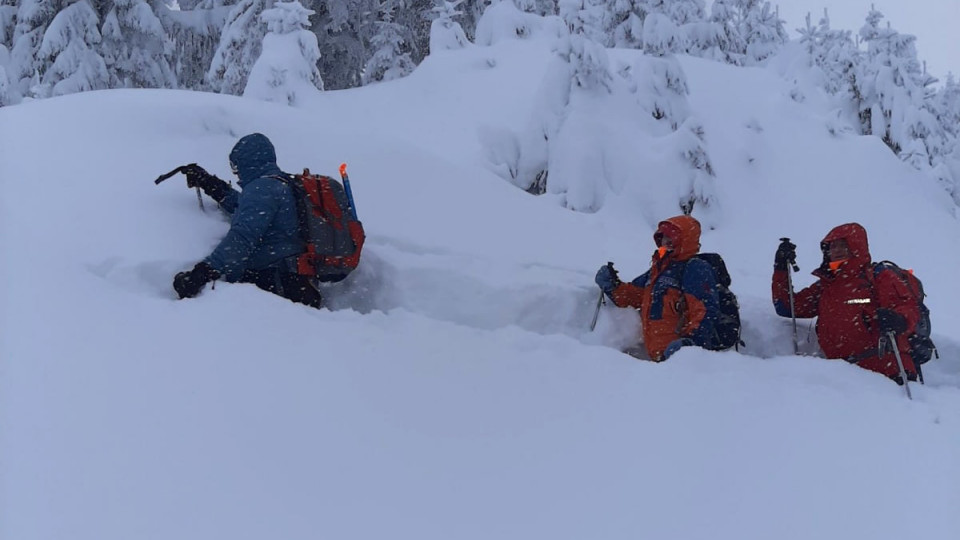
677,297
856,303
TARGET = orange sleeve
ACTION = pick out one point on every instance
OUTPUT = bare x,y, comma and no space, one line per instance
627,295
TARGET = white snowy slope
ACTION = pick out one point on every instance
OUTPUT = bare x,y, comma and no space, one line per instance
453,389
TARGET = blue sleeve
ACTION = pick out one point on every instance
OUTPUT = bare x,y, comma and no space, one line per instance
229,203
255,210
642,279
700,282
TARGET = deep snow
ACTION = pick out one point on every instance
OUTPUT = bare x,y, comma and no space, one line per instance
453,389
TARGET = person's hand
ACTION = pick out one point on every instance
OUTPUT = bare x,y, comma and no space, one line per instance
198,177
890,321
189,284
786,255
607,278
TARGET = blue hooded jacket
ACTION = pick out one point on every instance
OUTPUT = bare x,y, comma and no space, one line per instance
264,231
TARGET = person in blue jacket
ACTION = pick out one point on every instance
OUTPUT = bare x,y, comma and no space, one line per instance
263,242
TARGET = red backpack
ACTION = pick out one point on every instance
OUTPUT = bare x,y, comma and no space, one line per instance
328,225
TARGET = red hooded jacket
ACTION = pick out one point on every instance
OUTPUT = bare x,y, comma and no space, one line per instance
846,302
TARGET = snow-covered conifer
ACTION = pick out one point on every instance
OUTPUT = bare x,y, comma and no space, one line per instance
585,17
624,24
8,20
445,32
240,44
344,29
8,92
833,52
286,70
725,15
32,19
69,48
661,36
391,48
195,35
763,30
136,48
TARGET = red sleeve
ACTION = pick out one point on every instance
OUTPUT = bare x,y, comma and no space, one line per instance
806,302
627,295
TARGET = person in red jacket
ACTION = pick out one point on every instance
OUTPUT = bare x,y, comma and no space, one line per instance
855,304
677,297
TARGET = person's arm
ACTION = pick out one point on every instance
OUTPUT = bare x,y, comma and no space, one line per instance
806,302
254,211
630,294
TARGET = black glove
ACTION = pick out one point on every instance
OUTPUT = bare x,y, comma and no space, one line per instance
198,177
607,278
786,255
189,284
890,321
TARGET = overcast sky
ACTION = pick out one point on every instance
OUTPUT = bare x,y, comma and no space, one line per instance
936,23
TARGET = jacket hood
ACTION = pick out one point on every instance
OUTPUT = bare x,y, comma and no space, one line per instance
856,237
688,239
254,157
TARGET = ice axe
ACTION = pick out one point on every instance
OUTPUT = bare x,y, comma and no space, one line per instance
601,300
182,169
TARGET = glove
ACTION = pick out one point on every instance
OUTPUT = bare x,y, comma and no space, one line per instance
675,346
189,284
607,279
786,255
890,321
198,177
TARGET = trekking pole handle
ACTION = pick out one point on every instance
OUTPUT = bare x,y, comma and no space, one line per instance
792,262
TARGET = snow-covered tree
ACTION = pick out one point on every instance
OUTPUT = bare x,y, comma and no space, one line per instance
445,32
343,29
26,64
240,44
8,92
834,54
391,48
752,30
660,85
725,15
195,34
892,84
682,11
136,48
763,31
661,36
69,47
699,188
538,7
287,68
947,105
586,17
8,20
624,24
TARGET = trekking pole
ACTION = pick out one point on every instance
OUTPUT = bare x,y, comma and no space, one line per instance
793,313
896,352
346,187
601,300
